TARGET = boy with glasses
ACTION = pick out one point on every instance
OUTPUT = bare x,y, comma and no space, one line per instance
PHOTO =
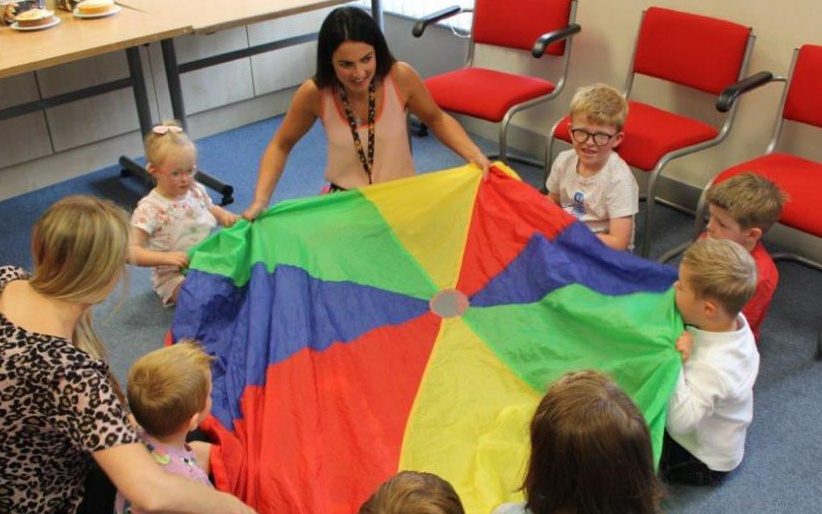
592,182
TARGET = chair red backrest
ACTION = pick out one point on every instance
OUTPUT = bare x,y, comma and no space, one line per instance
518,23
804,100
697,51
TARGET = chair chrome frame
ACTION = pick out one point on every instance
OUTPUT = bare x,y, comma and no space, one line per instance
565,34
729,107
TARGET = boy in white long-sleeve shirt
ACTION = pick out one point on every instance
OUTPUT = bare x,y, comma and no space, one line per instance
712,405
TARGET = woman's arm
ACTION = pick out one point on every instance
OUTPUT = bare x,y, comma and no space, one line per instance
304,110
445,127
151,489
142,256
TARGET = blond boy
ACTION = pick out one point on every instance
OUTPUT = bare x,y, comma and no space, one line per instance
591,181
169,392
742,209
712,404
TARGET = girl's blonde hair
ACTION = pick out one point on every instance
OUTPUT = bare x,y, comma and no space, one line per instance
79,248
164,138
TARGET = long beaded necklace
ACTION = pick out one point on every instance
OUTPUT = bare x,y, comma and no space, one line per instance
367,163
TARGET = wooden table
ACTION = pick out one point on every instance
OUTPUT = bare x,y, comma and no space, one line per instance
74,39
209,16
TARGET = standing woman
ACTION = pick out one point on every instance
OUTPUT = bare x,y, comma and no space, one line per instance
61,409
361,94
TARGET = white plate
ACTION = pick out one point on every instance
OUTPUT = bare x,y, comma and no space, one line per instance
114,10
55,21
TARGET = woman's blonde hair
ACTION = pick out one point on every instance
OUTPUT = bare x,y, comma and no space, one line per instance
168,135
79,248
166,387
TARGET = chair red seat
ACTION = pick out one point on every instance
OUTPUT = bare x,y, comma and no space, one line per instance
652,133
483,93
800,178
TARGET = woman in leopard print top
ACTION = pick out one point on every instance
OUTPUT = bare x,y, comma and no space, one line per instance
60,406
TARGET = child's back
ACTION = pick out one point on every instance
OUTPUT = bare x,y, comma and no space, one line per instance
590,452
169,394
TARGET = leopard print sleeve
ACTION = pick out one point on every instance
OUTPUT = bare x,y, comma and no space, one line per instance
85,407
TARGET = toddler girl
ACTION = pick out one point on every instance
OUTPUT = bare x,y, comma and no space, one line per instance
176,215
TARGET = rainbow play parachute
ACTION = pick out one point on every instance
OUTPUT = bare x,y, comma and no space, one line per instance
412,325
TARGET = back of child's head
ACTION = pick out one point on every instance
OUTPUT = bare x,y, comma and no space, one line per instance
166,387
750,199
722,270
601,104
165,138
590,451
413,492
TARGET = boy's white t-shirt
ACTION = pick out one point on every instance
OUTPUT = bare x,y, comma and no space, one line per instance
611,193
712,404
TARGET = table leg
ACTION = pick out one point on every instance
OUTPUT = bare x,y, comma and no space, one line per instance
173,79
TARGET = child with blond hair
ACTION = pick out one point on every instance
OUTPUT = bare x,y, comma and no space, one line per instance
176,215
414,492
712,404
169,392
591,181
590,452
742,209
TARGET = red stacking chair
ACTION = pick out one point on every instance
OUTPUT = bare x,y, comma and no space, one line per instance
706,54
800,178
540,26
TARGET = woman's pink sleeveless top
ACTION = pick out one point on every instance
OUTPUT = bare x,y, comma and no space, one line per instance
392,155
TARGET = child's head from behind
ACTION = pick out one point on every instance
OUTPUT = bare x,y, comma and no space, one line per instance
170,389
171,158
412,492
743,208
590,450
598,113
717,277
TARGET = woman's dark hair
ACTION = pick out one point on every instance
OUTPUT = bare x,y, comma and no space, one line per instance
590,451
349,24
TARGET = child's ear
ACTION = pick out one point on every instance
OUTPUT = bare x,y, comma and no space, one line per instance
150,168
194,422
710,308
617,139
753,234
